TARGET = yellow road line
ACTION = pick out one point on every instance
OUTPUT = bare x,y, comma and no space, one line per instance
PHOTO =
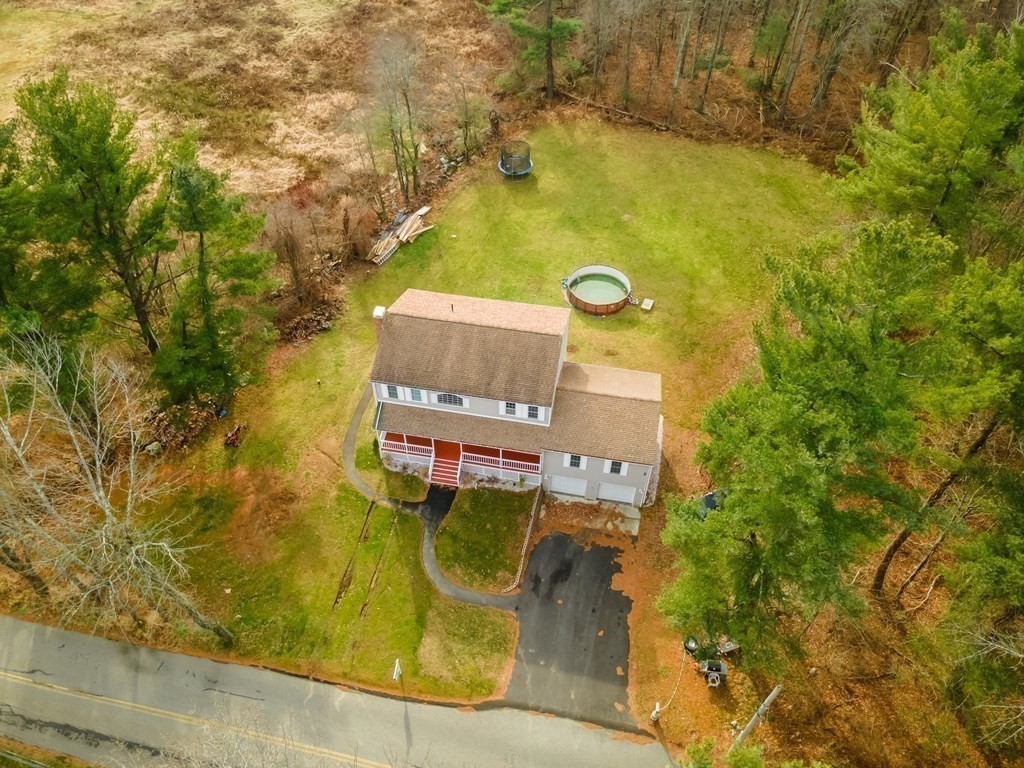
354,760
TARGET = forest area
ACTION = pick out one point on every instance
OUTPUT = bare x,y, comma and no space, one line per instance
873,455
760,70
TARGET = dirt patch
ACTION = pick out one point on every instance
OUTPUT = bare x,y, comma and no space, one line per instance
860,701
432,655
266,504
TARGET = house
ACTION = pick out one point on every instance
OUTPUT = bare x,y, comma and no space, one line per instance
471,388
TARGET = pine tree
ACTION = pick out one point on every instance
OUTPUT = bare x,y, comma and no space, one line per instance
198,355
96,200
946,148
42,287
546,40
803,450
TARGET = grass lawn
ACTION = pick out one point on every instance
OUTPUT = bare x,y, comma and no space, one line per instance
14,754
480,542
687,222
276,587
396,485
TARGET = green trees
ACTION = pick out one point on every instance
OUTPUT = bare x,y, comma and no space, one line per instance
91,227
889,395
94,196
546,40
946,147
50,289
14,216
803,449
198,351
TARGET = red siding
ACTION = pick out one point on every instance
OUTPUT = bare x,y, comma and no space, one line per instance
483,450
530,458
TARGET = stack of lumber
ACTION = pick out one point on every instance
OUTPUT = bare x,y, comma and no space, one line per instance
404,229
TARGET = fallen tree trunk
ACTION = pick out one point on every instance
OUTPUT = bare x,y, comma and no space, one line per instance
878,583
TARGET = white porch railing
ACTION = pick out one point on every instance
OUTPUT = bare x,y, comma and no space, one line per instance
416,450
486,461
494,461
520,466
525,479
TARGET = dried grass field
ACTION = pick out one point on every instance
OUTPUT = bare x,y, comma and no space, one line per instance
277,90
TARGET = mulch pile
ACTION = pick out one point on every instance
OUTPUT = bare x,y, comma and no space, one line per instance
177,426
313,323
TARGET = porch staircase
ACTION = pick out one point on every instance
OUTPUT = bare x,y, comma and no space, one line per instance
445,471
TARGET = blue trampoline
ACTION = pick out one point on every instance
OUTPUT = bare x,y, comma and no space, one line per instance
514,160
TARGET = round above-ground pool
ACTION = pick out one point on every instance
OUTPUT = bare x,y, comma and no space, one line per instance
598,289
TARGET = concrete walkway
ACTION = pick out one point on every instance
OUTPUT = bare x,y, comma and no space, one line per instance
93,698
432,512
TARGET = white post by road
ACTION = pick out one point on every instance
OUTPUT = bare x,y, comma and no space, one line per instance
398,671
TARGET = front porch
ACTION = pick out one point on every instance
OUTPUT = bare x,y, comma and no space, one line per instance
446,460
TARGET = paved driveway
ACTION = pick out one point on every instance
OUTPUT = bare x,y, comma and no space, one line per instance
572,658
573,654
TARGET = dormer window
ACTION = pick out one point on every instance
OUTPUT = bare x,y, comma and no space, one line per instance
447,398
510,409
392,391
532,412
416,395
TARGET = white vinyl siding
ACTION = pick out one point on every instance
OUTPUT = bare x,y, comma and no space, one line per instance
421,397
511,410
574,461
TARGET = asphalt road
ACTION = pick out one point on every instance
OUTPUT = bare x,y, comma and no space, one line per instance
87,696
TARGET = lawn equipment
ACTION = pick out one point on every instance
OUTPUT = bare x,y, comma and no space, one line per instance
233,439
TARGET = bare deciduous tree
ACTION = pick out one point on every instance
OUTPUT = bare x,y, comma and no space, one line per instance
600,23
74,476
1002,722
393,69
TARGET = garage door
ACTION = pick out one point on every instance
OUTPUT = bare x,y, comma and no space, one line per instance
572,486
624,494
